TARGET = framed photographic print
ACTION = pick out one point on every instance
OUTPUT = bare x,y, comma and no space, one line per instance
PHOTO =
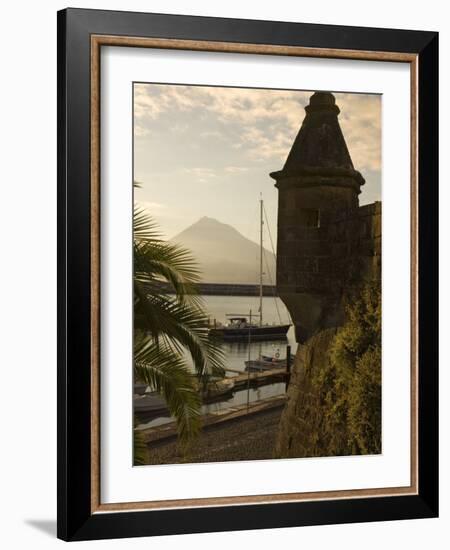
247,274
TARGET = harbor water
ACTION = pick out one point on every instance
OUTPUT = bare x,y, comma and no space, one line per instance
236,353
274,311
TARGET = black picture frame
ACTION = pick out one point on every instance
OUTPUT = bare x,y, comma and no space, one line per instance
75,519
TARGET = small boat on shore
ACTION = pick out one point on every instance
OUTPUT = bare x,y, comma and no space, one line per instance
150,404
259,365
140,388
266,362
217,388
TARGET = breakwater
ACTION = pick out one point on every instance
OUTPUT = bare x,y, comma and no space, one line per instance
226,289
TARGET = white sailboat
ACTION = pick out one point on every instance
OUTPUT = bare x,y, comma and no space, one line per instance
241,327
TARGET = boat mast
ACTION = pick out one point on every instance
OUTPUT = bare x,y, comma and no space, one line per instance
261,262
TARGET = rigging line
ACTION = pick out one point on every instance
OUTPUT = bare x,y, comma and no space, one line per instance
271,282
267,264
273,249
268,229
274,253
251,233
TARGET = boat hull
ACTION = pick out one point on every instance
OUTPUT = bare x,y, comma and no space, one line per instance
272,332
258,365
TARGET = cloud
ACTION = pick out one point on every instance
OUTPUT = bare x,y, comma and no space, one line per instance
273,143
228,104
179,128
260,124
141,131
236,169
202,175
360,120
150,206
211,134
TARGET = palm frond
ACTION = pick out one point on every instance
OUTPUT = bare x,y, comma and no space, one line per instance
162,262
156,260
156,365
144,228
140,451
181,326
170,326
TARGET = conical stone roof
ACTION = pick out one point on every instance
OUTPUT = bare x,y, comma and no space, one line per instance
319,148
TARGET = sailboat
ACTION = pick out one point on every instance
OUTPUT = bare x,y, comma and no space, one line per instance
242,327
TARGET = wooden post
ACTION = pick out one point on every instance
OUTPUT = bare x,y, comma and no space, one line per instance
288,365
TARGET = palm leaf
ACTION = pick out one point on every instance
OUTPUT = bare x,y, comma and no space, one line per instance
144,228
140,451
181,326
161,262
169,326
156,365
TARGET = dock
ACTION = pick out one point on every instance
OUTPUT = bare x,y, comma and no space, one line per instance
166,432
257,378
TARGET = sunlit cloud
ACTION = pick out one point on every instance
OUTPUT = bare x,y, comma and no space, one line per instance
211,134
191,138
236,169
202,175
268,119
150,206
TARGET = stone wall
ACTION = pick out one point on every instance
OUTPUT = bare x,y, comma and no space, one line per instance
328,269
301,420
318,266
328,248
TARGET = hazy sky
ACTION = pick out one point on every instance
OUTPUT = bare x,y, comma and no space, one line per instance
208,151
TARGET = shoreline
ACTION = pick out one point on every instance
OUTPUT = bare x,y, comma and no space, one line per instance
239,412
238,437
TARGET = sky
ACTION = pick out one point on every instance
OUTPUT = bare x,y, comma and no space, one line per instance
208,151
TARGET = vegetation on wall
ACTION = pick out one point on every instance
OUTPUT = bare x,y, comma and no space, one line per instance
334,405
350,385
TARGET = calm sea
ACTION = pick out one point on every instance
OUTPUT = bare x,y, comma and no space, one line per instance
274,311
237,353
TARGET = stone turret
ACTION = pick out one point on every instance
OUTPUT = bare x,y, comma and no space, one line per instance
325,241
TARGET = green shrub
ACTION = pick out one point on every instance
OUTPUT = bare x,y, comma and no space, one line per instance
350,385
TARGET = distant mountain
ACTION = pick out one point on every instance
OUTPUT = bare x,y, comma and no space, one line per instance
224,255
